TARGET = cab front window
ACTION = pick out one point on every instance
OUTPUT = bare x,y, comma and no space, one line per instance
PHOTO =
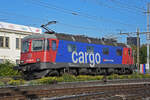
37,45
25,46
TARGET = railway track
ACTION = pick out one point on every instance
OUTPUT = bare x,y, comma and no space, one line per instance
121,90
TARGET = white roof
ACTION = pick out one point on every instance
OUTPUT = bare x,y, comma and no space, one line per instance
22,28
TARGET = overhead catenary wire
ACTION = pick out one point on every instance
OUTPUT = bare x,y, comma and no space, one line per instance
127,6
125,9
6,13
41,20
146,1
1,18
70,25
85,15
139,10
81,27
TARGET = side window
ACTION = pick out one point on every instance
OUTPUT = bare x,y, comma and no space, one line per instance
54,45
106,51
90,49
4,42
1,41
1,61
18,43
119,52
7,42
25,46
71,47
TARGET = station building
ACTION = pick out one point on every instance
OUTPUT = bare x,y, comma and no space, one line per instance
10,40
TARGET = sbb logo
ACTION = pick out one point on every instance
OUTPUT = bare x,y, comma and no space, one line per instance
86,57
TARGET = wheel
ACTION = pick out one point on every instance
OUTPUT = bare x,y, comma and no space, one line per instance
53,73
83,71
28,76
73,72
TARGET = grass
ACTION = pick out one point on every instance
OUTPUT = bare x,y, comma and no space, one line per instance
69,78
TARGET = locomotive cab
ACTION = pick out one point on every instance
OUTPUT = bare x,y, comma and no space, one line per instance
38,53
38,50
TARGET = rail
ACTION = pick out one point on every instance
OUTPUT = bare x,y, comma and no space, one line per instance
79,91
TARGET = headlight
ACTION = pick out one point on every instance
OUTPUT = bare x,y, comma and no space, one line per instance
38,59
21,62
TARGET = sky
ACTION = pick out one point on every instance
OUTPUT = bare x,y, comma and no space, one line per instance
93,18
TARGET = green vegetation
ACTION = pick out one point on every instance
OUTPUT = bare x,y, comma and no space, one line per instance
69,78
16,82
114,76
88,78
2,83
6,70
143,53
47,80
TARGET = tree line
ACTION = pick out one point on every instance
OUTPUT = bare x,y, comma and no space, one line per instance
142,54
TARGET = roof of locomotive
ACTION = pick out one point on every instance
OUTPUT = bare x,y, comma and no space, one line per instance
85,39
75,38
37,36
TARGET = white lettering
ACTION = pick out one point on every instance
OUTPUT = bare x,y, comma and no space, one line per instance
98,58
86,54
91,58
81,58
74,53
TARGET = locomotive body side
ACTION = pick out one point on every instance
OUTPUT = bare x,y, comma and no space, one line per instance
47,55
101,58
85,53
